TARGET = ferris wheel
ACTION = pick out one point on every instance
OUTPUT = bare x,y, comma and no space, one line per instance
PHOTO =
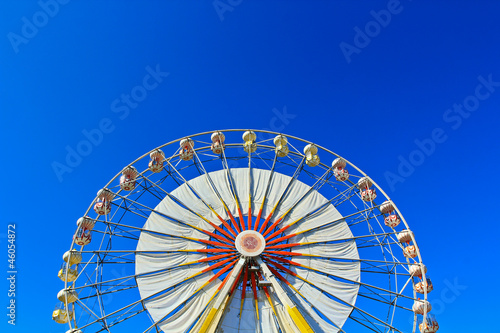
243,231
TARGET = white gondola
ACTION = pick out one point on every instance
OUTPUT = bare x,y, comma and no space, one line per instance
386,207
392,221
62,316
341,174
103,204
250,146
430,325
281,143
128,178
83,234
311,152
82,237
186,152
68,274
217,142
410,251
424,286
416,270
156,160
339,163
419,306
367,194
404,236
67,296
85,223
72,257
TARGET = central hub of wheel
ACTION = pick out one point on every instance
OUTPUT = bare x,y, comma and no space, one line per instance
250,243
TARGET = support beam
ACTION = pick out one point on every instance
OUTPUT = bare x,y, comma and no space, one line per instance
292,309
215,313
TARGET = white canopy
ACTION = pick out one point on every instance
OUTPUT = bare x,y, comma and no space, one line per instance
173,290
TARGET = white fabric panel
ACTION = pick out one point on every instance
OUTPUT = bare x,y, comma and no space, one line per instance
310,203
346,250
149,284
259,183
171,209
185,317
278,185
164,260
285,317
206,192
153,242
148,262
348,270
344,291
331,308
247,323
260,177
334,311
330,233
184,194
317,323
158,223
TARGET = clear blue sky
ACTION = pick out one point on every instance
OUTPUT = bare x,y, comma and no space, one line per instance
426,78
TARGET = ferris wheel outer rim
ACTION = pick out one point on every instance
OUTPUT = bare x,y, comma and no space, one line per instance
425,294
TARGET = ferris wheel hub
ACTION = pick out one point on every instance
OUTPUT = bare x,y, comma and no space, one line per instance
250,243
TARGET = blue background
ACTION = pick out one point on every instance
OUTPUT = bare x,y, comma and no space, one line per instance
276,65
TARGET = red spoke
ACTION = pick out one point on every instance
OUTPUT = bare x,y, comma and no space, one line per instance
223,239
244,288
222,271
284,269
266,221
223,283
287,253
242,222
214,266
236,282
278,275
254,289
219,229
276,233
214,243
217,257
268,295
273,225
257,220
281,239
209,250
286,261
283,246
231,230
233,221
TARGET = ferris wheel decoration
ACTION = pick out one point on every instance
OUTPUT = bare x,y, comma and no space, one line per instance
243,231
